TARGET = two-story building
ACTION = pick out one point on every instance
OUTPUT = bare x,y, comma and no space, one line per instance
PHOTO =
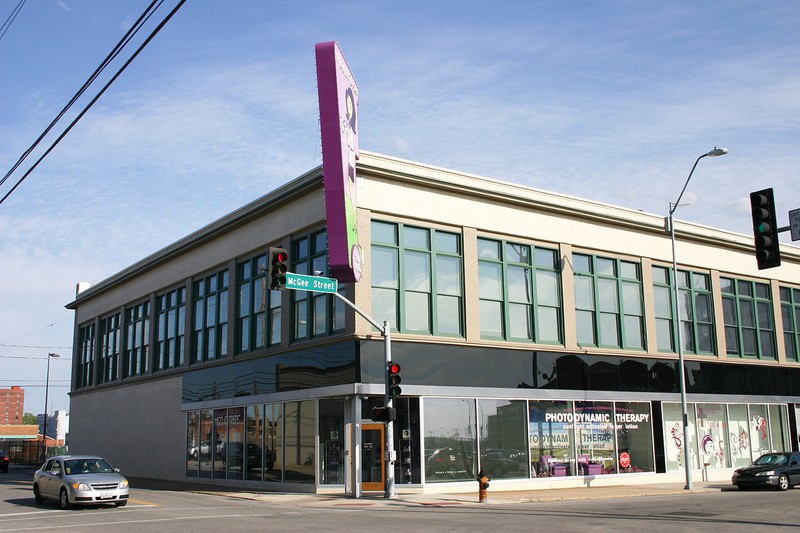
536,333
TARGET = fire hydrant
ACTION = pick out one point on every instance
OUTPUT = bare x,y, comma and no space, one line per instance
483,486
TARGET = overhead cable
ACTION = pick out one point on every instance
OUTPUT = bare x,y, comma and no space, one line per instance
96,97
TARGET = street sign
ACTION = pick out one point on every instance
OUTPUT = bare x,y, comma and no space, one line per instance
794,222
301,282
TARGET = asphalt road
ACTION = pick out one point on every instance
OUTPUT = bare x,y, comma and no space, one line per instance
171,510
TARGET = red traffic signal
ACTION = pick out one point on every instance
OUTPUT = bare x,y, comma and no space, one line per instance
278,266
393,380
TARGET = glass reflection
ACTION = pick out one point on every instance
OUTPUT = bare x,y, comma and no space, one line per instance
450,439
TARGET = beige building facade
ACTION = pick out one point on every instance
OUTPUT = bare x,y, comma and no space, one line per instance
536,334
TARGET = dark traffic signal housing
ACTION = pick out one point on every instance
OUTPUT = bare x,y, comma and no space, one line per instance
384,414
765,229
278,266
393,380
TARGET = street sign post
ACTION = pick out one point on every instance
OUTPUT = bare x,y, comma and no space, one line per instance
301,282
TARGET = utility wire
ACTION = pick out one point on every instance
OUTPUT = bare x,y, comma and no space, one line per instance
110,57
11,18
97,97
32,332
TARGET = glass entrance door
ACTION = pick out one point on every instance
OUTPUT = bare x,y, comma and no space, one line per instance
373,467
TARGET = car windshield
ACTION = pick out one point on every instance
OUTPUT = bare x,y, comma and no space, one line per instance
87,466
772,459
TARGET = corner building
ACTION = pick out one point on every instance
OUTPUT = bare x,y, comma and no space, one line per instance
535,331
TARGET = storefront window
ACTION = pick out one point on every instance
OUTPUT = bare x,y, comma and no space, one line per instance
594,436
219,442
254,442
759,430
331,439
779,424
503,437
674,439
712,435
551,435
634,437
300,438
233,451
450,439
192,441
203,449
273,443
739,435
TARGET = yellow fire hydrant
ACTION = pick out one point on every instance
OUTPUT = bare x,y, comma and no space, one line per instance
483,486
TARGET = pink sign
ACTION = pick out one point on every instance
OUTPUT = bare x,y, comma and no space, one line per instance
624,460
338,106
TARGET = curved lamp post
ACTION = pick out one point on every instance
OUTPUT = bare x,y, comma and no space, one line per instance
679,337
46,390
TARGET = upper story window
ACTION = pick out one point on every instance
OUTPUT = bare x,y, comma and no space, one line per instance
84,374
137,340
519,287
210,331
170,326
417,280
314,313
697,311
109,349
258,316
790,312
749,326
608,302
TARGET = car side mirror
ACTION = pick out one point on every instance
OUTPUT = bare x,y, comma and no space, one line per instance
116,470
793,463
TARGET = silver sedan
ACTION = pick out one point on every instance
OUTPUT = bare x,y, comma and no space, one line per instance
79,480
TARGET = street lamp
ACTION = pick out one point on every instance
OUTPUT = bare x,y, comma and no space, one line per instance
679,337
46,390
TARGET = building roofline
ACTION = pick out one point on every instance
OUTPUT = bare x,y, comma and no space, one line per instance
242,215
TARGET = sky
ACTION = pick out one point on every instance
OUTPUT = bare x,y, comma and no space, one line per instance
612,101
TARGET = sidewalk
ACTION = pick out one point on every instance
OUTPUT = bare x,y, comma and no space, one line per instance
495,498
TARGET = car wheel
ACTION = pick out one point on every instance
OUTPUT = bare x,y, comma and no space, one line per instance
783,482
121,503
37,495
63,499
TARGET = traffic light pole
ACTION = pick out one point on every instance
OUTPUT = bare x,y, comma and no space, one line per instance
385,330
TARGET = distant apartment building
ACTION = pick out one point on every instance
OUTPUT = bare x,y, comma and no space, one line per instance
12,403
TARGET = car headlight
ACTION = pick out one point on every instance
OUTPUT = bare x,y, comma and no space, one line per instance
123,484
81,486
766,473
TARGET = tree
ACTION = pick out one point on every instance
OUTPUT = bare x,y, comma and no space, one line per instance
30,419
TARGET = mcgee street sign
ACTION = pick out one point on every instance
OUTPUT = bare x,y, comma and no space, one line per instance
300,282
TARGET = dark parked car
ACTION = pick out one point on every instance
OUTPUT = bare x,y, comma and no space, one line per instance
781,470
4,461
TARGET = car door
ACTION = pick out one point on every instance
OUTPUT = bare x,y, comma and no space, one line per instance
46,478
794,468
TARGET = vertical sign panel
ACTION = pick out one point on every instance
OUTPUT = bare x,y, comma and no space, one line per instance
338,106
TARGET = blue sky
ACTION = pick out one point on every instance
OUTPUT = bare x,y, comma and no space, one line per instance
611,101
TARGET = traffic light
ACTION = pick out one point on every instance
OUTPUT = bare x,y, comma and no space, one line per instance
765,229
393,380
384,414
278,266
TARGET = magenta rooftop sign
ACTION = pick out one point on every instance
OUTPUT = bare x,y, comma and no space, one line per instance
338,106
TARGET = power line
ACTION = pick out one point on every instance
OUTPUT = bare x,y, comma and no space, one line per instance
31,333
145,16
11,18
